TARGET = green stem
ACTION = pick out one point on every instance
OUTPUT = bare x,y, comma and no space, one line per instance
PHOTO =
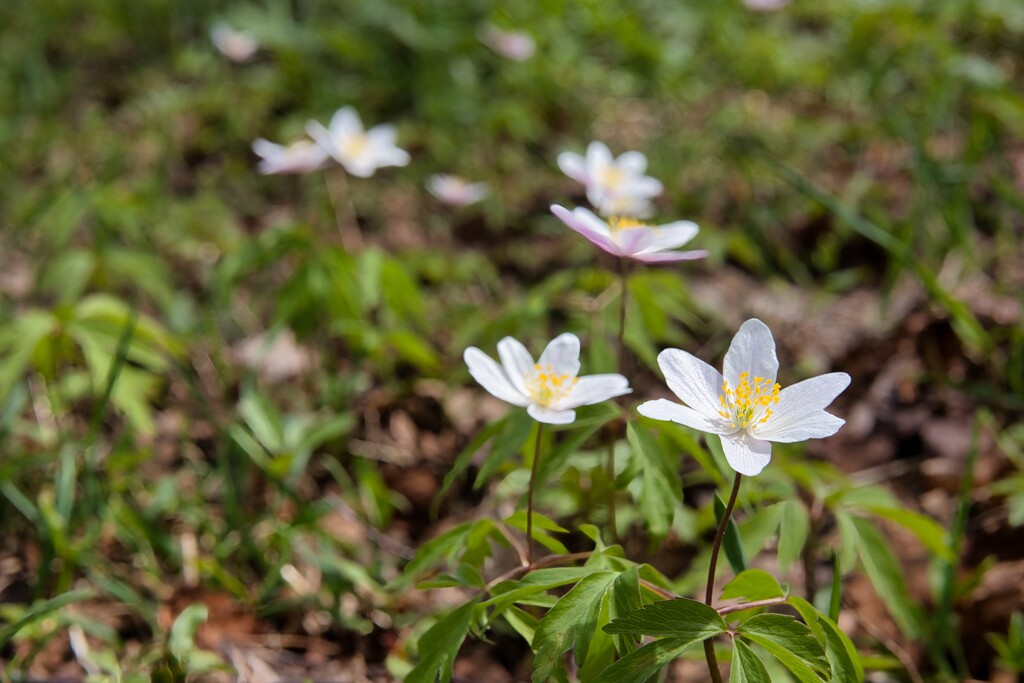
620,361
709,647
529,495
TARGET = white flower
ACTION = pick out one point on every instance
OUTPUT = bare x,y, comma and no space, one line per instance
360,151
616,187
747,408
454,190
301,156
549,388
765,5
515,45
628,238
238,46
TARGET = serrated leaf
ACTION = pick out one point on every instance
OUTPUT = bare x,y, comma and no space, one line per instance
625,598
680,618
640,665
886,575
789,641
507,593
572,621
794,528
661,488
440,644
751,585
747,667
732,543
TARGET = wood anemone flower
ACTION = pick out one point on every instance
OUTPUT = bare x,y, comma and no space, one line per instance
549,389
746,407
360,151
615,186
629,238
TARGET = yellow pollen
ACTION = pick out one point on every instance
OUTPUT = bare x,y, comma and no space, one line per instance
617,223
355,145
546,387
611,176
749,404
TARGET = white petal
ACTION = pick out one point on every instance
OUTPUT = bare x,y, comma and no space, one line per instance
745,454
573,165
266,148
632,163
383,135
551,416
587,219
563,355
663,409
594,389
346,122
691,379
752,350
672,236
816,424
517,361
598,157
641,187
490,376
321,135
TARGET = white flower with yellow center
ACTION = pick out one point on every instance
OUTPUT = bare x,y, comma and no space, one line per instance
747,408
360,151
301,156
616,187
549,389
629,238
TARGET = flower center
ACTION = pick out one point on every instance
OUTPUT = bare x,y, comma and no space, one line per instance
546,387
749,404
611,177
354,146
617,223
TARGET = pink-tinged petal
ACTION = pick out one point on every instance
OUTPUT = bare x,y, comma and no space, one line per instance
517,361
816,424
745,454
692,380
632,163
563,355
752,350
346,122
672,235
574,166
671,256
266,148
663,409
585,227
491,377
594,389
551,416
634,240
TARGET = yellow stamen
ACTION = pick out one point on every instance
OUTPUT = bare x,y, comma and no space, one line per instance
617,223
749,404
546,387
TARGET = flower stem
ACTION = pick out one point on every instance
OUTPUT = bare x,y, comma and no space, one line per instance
529,496
709,646
620,362
345,213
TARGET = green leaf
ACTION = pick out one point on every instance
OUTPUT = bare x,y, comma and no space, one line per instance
841,653
509,592
793,531
747,667
440,644
625,598
181,640
931,534
751,585
789,641
660,488
41,609
572,621
732,543
679,618
886,575
640,665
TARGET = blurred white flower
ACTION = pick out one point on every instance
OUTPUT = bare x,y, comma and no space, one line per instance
549,389
747,408
301,156
515,45
616,187
455,191
628,238
275,357
360,151
238,46
765,5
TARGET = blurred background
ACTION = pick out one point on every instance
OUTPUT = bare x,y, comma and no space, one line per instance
224,431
